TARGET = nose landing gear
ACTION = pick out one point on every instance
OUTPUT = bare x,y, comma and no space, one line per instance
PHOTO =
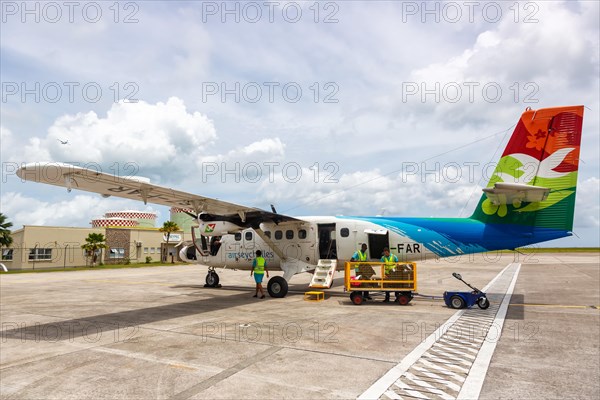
212,278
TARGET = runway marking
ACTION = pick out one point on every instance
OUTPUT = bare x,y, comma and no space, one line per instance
554,306
452,362
183,367
129,282
472,386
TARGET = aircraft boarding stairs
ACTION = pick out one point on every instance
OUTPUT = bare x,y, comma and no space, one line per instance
323,276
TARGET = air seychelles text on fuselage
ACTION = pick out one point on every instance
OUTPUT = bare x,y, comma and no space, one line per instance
249,255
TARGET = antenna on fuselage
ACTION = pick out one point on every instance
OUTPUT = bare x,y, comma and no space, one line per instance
273,209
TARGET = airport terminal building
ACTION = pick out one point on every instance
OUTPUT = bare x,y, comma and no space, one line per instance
131,236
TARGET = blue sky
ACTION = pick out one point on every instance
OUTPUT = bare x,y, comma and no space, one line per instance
317,107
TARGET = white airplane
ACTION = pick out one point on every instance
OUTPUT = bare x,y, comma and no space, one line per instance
529,199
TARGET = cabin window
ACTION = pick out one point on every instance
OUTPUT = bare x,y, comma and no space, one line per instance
344,232
238,237
289,234
278,235
268,234
302,234
40,254
248,236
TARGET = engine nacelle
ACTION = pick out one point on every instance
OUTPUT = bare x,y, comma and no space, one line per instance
217,228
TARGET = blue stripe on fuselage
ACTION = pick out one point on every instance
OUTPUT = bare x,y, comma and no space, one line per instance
453,236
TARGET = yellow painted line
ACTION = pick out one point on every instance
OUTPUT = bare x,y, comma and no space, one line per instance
554,305
182,367
130,282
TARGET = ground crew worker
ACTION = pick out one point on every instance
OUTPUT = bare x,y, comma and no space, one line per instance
259,267
361,255
389,263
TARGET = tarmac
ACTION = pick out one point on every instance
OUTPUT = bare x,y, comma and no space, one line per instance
158,333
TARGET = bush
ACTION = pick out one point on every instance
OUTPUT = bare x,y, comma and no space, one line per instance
148,259
126,261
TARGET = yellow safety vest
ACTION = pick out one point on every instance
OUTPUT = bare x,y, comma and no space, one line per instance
389,263
361,257
259,268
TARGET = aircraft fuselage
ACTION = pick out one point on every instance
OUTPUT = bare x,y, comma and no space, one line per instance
410,239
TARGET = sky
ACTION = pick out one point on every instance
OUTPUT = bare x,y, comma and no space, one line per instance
320,108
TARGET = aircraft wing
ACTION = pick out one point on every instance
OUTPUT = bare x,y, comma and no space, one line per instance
136,188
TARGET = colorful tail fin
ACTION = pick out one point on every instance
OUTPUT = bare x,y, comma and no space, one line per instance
535,180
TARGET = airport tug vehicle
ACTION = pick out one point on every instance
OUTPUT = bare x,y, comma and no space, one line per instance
372,277
466,299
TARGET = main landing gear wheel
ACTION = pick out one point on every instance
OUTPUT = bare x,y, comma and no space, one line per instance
212,278
457,302
277,287
483,303
357,298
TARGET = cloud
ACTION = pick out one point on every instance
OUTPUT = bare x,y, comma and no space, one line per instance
268,149
368,193
587,209
6,143
163,135
369,53
172,41
76,211
482,86
510,55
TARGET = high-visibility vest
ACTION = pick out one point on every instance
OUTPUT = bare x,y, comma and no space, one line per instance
259,268
389,263
361,256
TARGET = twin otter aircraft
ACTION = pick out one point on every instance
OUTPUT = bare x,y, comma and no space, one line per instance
530,198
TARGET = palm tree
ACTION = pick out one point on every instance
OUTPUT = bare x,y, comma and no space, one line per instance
94,242
168,228
5,238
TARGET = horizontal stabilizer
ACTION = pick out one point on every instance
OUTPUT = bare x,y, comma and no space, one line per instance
511,193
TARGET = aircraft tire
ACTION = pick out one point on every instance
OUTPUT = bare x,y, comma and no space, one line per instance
277,287
212,279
